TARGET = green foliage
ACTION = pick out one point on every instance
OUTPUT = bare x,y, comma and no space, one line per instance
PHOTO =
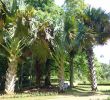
74,7
80,67
97,20
102,72
1,37
41,4
73,14
3,65
40,49
59,55
3,68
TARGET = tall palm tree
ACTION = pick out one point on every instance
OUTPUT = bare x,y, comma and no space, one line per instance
86,40
50,22
59,54
12,42
71,32
13,48
74,9
93,31
41,52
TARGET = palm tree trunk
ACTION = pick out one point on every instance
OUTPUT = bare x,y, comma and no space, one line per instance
71,72
61,78
21,77
11,77
90,58
38,73
48,71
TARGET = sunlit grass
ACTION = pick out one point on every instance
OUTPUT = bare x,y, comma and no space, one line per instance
26,98
29,96
78,91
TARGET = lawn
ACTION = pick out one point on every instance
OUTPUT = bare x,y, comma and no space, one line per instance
81,92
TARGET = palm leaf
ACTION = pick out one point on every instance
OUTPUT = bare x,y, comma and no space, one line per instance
40,49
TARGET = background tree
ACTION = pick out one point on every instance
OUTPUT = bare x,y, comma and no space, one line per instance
60,55
73,11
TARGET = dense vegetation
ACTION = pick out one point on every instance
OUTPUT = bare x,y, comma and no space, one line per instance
42,44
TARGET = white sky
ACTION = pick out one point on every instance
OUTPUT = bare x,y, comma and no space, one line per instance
59,2
104,4
101,52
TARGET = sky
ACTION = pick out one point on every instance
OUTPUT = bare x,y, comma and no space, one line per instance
104,4
102,53
59,2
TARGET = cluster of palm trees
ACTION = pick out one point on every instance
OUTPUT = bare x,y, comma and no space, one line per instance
92,29
49,33
26,32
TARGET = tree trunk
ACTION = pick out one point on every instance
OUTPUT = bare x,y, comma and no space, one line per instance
11,77
61,78
47,76
71,72
90,58
38,73
21,77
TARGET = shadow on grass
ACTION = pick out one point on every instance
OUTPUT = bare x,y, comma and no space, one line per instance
80,90
85,90
106,91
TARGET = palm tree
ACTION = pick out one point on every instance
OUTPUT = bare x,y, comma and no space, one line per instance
86,40
13,48
74,9
41,52
59,54
71,32
14,42
49,23
93,31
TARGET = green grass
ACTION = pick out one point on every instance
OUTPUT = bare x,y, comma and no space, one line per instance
28,98
79,91
85,90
